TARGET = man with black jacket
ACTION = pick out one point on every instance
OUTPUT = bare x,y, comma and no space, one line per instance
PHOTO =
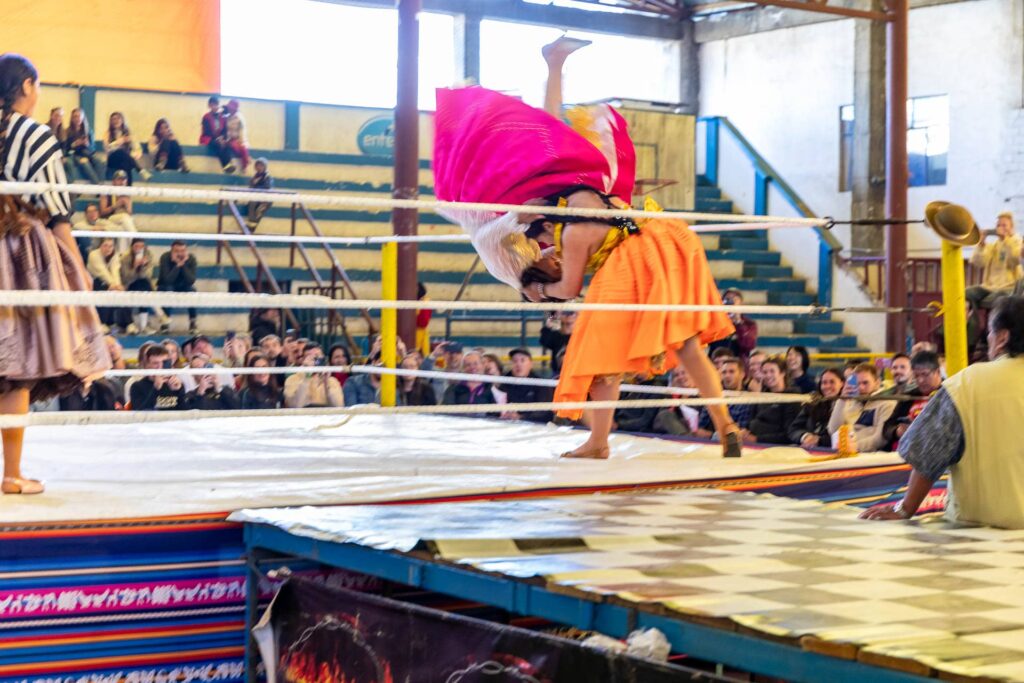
178,274
522,366
157,392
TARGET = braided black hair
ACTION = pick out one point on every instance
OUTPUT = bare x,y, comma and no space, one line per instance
14,71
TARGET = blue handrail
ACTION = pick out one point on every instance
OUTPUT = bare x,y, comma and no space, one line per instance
764,176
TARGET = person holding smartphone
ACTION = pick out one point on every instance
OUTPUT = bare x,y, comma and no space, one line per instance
157,392
210,393
312,387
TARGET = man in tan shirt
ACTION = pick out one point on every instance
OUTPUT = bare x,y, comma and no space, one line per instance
999,261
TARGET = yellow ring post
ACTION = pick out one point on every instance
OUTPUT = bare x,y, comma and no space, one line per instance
954,303
389,321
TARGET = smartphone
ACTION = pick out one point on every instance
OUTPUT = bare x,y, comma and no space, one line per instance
229,335
167,364
851,383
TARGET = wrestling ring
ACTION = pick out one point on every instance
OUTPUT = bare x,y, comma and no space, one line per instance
136,547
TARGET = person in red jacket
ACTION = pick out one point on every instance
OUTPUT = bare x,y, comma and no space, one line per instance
744,340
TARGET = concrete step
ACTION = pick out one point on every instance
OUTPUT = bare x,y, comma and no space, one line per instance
756,270
704,205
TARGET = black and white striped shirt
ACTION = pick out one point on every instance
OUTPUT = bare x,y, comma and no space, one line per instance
33,155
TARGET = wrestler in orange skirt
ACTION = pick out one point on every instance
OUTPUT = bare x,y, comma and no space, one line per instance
664,263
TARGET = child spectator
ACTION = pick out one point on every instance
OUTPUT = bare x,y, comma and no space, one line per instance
261,180
78,147
798,363
234,135
166,150
262,391
209,393
809,428
123,152
312,388
137,276
213,135
178,274
157,392
117,210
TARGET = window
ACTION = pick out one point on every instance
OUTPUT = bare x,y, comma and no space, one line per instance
613,67
927,141
326,53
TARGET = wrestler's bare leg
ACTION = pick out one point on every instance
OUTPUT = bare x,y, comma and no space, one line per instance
555,54
708,382
596,447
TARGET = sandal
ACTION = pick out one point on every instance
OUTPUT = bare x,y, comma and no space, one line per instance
732,444
25,487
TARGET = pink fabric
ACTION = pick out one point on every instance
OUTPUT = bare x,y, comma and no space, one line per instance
489,147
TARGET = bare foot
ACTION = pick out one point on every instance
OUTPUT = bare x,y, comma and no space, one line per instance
589,452
563,46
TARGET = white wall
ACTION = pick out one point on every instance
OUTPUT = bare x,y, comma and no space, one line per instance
783,90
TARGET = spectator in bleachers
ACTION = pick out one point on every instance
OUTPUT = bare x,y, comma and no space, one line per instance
494,367
414,391
867,417
236,346
754,364
91,221
165,149
810,427
446,357
137,276
178,274
157,392
770,422
902,376
78,147
999,261
116,352
213,137
312,387
337,356
271,347
678,420
117,210
798,364
521,362
927,380
99,394
60,133
262,391
123,152
554,337
261,180
470,393
364,388
637,419
720,355
202,346
731,373
140,361
210,392
263,322
234,134
173,353
104,265
744,339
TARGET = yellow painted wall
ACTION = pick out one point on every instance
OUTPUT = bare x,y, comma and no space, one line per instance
335,130
152,44
666,150
52,96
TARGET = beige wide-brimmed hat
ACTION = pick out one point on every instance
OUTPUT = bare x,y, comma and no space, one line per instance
953,223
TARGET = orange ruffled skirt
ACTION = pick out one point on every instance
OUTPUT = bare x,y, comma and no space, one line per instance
664,264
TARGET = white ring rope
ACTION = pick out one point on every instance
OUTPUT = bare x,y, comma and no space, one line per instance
381,204
123,417
425,374
11,297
